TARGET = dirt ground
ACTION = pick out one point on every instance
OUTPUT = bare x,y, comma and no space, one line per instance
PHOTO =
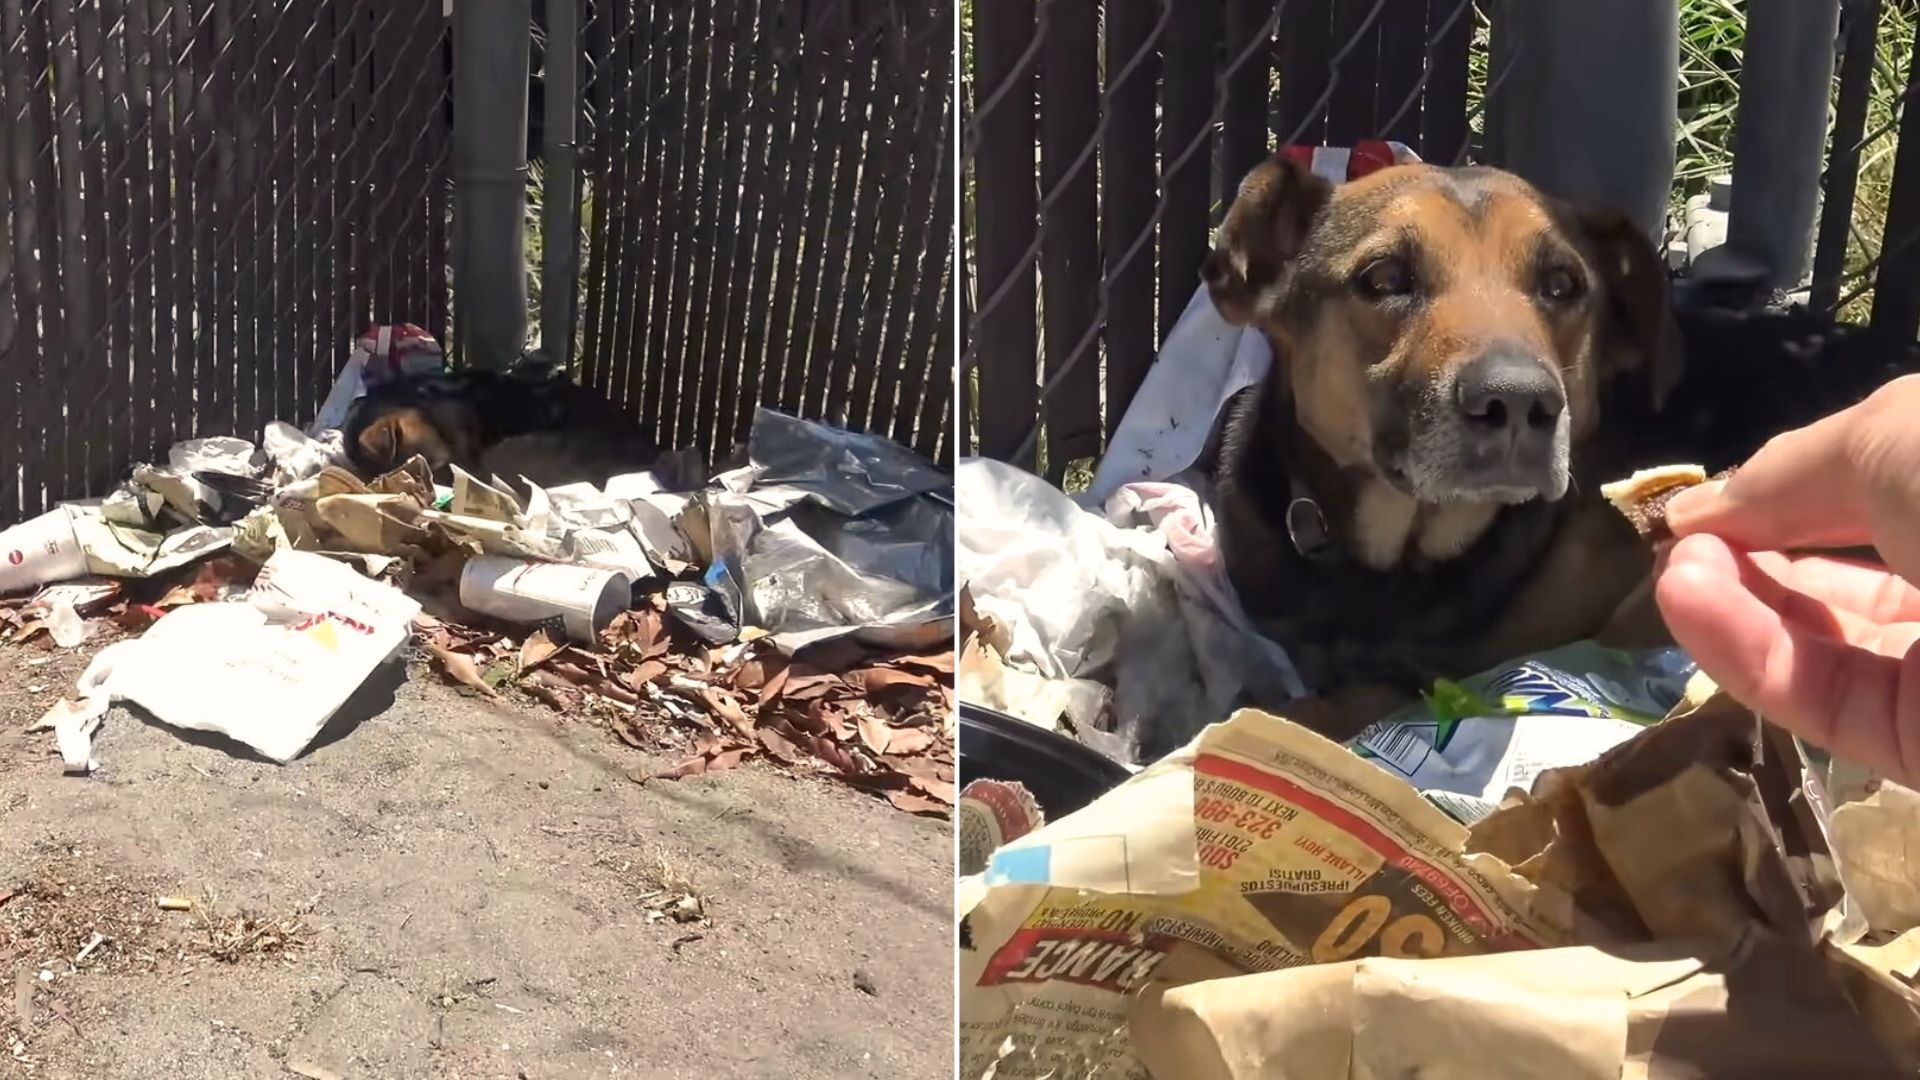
449,887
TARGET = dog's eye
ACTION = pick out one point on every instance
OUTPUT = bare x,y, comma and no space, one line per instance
1560,285
1384,277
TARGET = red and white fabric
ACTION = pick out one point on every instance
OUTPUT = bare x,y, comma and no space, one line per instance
1343,163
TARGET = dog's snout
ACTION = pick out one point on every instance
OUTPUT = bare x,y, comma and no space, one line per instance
1511,393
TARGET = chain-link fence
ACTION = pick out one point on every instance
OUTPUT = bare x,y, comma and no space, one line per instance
1103,139
202,201
768,212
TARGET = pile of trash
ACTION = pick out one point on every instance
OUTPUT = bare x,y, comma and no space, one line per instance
1708,898
798,607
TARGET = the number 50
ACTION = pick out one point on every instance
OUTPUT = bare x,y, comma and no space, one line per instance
1409,937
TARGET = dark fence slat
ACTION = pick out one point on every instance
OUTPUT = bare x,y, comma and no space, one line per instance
824,54
716,108
721,367
1130,181
1896,294
887,308
1244,123
678,392
50,381
667,120
1186,105
1004,338
1861,20
929,376
1443,114
116,137
1403,53
782,370
210,377
630,204
604,85
829,369
632,349
935,411
20,481
154,389
80,296
1070,256
1306,52
779,175
1356,72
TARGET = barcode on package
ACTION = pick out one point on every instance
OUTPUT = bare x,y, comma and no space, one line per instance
1398,744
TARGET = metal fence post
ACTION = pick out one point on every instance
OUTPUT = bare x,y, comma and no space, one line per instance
1780,134
1582,100
560,213
491,42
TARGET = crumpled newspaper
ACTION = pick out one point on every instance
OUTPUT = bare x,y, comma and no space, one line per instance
1265,904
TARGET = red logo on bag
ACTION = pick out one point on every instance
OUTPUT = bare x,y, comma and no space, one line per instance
16,558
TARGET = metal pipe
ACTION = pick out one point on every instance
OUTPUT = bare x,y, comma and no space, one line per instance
1780,134
490,68
560,212
1582,103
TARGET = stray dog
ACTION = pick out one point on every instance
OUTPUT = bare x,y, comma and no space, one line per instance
1412,493
538,420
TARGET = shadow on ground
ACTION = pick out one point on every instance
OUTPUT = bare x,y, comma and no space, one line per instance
478,878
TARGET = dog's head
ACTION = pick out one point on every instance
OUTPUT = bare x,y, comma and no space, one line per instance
1449,330
401,433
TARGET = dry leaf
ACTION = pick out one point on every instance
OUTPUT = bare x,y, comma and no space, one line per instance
775,685
939,662
907,741
923,767
723,706
811,687
833,717
461,668
552,696
914,803
693,766
939,789
752,674
628,732
573,673
877,680
780,746
537,650
611,689
874,732
650,634
829,751
648,671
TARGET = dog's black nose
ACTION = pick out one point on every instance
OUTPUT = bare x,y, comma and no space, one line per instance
1511,392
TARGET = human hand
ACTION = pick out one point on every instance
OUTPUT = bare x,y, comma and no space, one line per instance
1822,646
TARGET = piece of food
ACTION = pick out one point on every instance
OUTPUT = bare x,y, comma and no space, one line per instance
1642,498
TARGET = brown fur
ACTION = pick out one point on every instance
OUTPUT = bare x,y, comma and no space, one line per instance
1435,573
408,431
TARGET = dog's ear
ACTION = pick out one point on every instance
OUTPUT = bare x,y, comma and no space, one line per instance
1263,233
1640,332
380,444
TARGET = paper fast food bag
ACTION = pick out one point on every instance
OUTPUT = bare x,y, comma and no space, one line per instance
1260,846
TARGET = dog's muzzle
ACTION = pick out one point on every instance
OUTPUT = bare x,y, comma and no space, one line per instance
1499,432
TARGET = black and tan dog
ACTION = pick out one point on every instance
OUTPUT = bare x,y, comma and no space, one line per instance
1413,491
530,420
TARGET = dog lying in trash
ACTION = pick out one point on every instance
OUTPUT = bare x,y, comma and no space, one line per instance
530,420
1460,362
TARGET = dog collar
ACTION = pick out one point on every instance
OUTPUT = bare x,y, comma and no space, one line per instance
1307,525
